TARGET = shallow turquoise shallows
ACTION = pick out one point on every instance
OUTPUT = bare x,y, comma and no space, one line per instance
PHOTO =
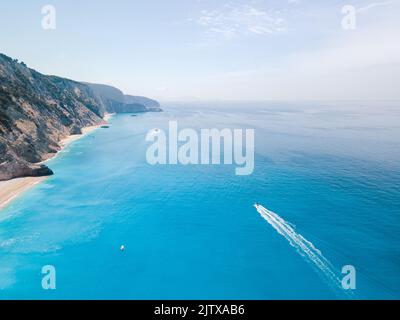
330,170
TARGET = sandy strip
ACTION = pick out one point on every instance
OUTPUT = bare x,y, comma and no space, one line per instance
11,189
64,142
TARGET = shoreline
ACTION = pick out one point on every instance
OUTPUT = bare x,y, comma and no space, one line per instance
11,189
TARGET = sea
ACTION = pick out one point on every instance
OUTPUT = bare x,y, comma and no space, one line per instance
326,180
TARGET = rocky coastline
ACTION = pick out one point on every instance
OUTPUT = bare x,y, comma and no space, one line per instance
38,111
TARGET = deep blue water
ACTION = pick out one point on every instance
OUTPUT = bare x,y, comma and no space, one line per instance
330,169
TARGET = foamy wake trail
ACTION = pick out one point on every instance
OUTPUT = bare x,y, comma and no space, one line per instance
306,249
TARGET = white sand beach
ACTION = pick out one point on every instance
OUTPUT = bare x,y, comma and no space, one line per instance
11,189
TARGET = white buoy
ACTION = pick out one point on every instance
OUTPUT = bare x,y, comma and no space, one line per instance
122,248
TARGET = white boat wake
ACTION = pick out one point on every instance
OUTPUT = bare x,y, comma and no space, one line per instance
307,250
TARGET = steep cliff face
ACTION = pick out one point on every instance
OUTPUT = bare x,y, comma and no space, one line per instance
117,102
150,104
38,111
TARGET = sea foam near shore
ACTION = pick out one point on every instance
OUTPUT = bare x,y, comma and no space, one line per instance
11,189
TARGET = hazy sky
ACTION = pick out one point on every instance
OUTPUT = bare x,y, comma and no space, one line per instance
205,49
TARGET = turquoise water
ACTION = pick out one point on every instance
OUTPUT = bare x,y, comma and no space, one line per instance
331,170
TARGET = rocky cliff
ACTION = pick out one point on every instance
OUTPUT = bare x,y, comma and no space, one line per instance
118,102
38,111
